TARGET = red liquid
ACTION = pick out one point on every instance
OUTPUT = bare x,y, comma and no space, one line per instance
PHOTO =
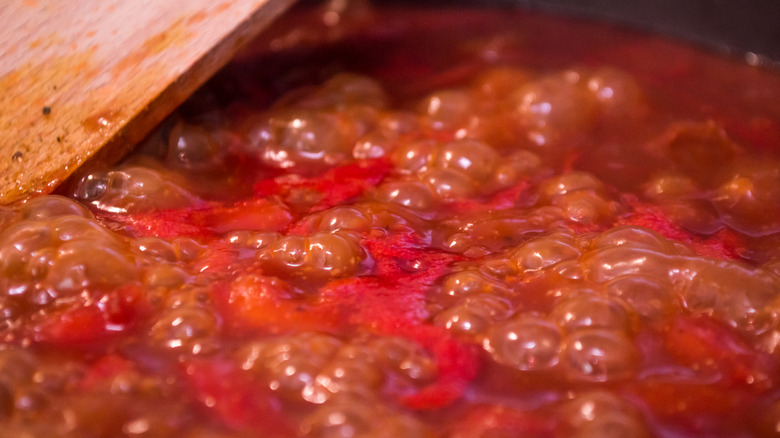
497,224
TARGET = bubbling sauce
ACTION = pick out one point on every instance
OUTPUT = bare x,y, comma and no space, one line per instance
411,223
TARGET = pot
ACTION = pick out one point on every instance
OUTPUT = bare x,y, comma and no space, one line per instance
747,28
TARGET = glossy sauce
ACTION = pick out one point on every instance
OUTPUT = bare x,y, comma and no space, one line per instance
415,223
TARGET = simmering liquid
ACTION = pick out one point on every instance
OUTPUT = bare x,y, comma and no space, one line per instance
412,223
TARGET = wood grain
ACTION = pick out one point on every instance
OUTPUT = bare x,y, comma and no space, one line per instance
77,76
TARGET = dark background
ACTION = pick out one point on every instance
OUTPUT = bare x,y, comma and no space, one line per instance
733,26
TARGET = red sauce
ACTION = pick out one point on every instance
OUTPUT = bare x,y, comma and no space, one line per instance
415,223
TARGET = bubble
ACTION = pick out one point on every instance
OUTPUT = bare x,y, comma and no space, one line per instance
543,252
51,206
346,89
668,187
133,189
411,194
353,370
187,328
498,268
741,295
695,215
192,147
343,218
750,200
612,262
293,137
57,257
404,358
71,228
569,269
398,122
474,314
251,239
473,158
463,320
599,355
583,309
557,186
165,276
634,236
325,254
700,150
650,298
447,109
449,184
468,282
492,305
156,248
519,164
373,145
339,420
491,230
414,156
618,93
187,295
552,107
498,82
82,264
602,414
19,242
585,207
360,121
92,187
289,364
525,342
187,248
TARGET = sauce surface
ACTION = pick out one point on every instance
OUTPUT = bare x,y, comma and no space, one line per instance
386,223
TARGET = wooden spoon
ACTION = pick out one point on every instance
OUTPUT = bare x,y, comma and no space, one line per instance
87,79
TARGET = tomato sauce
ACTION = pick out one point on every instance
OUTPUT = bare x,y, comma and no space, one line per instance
405,222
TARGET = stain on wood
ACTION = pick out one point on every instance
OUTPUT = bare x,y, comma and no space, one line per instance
108,72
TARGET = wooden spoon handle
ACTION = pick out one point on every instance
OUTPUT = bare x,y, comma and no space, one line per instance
77,76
